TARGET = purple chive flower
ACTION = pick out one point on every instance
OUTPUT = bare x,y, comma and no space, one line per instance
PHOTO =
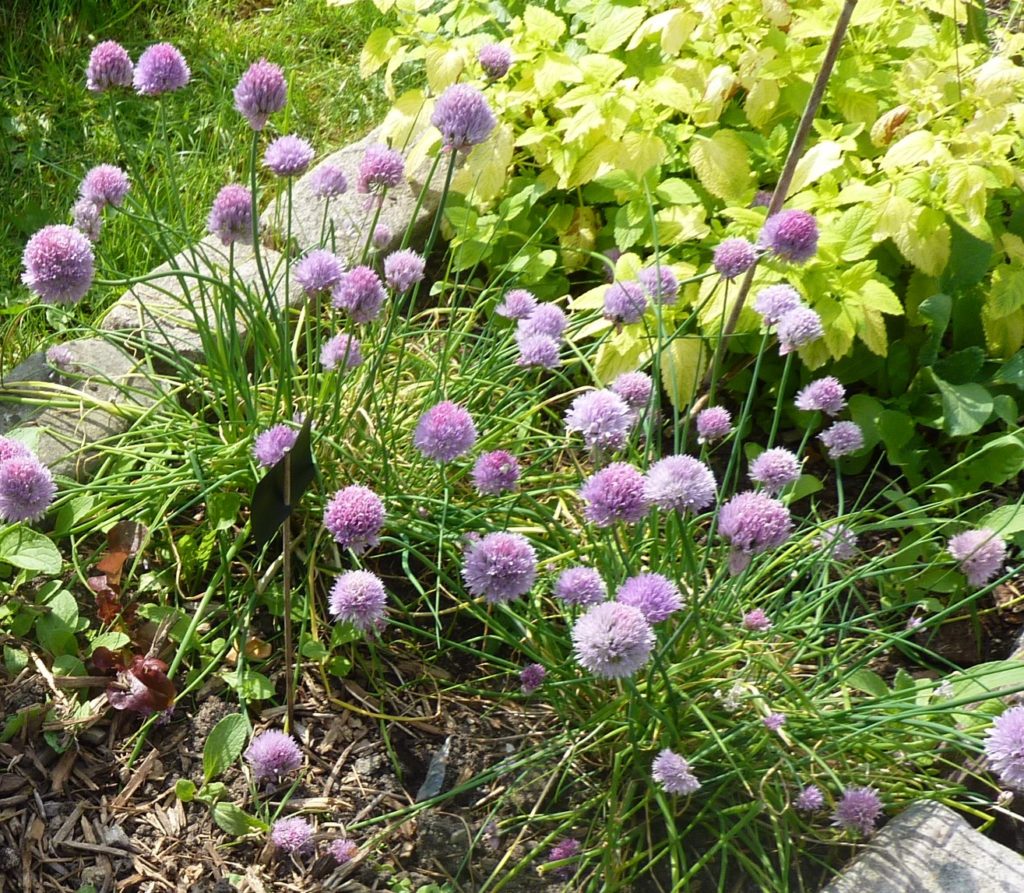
981,554
673,773
342,851
380,168
10,448
293,835
403,269
544,319
538,350
463,116
756,621
270,446
58,264
231,215
634,388
360,293
272,755
842,438
734,256
824,395
500,567
342,351
775,301
613,255
444,432
288,156
328,181
775,469
602,417
837,540
613,494
798,328
381,236
791,235
531,678
355,516
762,198
319,271
260,92
660,283
568,848
580,586
26,489
858,810
713,423
1004,747
681,483
495,472
109,66
359,597
612,640
654,595
87,219
773,722
810,799
60,356
625,302
495,59
517,304
752,522
160,69
105,184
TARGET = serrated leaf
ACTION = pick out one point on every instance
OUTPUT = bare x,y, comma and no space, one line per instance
485,170
683,363
965,407
624,351
676,192
722,164
542,26
1007,291
851,235
672,27
236,821
817,161
924,240
224,744
443,65
28,549
379,47
762,101
1005,520
640,152
913,149
614,28
869,682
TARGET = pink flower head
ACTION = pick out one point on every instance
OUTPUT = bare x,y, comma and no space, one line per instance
270,446
756,621
680,483
109,66
674,774
775,469
531,677
360,293
86,217
105,184
495,472
293,835
837,540
753,522
341,850
231,215
537,350
615,494
544,319
798,328
775,301
381,168
842,438
713,423
355,516
342,351
1004,747
403,269
288,156
656,597
824,395
625,302
463,116
580,585
160,69
495,59
58,263
858,810
612,640
10,448
319,271
359,597
260,92
634,388
810,799
602,417
328,181
733,257
26,488
981,554
382,236
773,722
444,432
517,304
660,283
791,235
272,755
500,567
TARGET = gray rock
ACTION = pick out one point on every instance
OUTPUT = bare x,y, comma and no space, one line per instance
62,414
930,849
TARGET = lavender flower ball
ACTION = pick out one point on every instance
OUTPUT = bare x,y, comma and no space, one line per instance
842,438
355,516
359,597
981,554
733,257
293,835
495,472
762,198
798,328
614,494
288,156
612,640
673,773
602,417
654,595
26,489
60,357
810,799
105,184
463,116
775,469
342,851
537,350
773,722
775,301
381,237
403,269
109,66
318,272
58,264
270,446
444,432
231,215
517,304
580,586
272,755
10,448
86,218
531,678
260,92
752,522
328,181
360,293
1004,747
791,235
544,319
500,567
567,848
160,69
660,283
495,59
381,168
825,395
713,423
837,540
625,302
681,483
858,810
341,351
634,388
756,621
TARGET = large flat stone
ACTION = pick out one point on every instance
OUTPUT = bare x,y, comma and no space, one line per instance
65,415
930,849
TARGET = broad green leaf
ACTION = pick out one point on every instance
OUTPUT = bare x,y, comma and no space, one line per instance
73,511
913,149
234,820
542,26
1003,335
869,682
222,509
817,161
1007,291
68,665
379,47
56,629
937,310
762,101
1005,520
965,407
224,744
640,152
720,85
252,686
615,28
923,238
676,192
113,640
28,549
1000,459
624,351
1012,371
672,27
681,224
485,170
722,164
879,297
683,363
443,64
972,257
851,235
408,116
185,790
15,660
987,681
552,70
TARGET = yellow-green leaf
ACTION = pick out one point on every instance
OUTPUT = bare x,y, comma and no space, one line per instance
672,26
551,70
817,161
761,102
379,47
640,152
615,28
681,223
542,26
444,65
486,168
915,148
722,164
1007,293
1005,335
624,351
409,115
683,363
